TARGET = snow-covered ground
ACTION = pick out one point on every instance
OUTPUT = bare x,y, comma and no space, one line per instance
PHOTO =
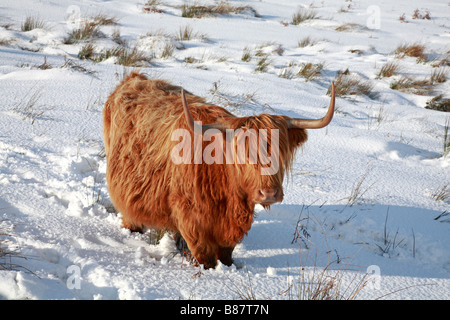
363,199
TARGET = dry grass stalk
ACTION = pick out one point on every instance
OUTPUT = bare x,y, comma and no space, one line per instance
442,194
7,255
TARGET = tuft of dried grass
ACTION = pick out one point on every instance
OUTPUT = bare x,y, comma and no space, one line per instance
402,18
221,8
311,71
303,15
246,55
263,64
87,30
305,42
167,51
347,84
44,66
90,28
350,27
419,87
438,76
29,107
439,103
415,50
389,69
32,22
131,57
86,52
442,193
102,19
423,87
444,62
185,33
418,15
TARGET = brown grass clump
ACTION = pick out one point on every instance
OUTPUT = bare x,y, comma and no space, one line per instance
439,103
389,69
444,62
86,31
125,56
32,22
303,15
311,71
305,42
418,15
222,8
419,87
415,50
130,57
438,76
347,84
90,28
246,55
350,27
86,52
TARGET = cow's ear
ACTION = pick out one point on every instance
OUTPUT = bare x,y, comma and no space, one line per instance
297,137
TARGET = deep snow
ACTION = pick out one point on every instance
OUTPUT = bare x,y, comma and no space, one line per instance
54,204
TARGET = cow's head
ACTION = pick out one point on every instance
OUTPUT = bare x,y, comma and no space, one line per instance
259,148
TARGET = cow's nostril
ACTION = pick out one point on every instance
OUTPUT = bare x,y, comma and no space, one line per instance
267,195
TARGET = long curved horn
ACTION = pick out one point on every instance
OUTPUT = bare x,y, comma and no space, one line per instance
190,120
316,123
187,114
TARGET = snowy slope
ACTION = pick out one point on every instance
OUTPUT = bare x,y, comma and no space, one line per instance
362,198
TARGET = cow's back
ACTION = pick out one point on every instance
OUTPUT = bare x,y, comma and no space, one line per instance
139,118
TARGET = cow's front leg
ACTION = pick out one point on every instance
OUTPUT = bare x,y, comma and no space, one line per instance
202,248
225,254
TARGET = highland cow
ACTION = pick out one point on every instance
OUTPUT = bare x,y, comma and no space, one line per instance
209,203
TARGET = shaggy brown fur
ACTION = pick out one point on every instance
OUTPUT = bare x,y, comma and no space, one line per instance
210,205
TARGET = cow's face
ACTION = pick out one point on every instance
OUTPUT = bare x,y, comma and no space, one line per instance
259,149
263,149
